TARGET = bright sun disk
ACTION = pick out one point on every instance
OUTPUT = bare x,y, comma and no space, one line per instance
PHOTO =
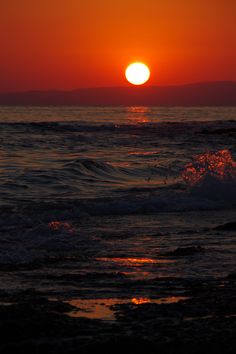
137,73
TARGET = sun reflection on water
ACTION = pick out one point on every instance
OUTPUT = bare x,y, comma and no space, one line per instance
130,261
138,115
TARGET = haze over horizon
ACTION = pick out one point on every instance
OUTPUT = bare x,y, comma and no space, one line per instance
50,89
221,93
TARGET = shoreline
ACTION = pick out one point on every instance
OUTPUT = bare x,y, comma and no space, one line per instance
206,320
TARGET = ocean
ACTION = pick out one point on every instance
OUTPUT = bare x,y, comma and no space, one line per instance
115,204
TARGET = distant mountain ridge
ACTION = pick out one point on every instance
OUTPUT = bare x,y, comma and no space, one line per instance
220,93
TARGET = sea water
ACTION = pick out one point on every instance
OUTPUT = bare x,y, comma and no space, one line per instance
95,202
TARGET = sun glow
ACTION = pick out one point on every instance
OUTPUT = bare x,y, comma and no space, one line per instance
137,73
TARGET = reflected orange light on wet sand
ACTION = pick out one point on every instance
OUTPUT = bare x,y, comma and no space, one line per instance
164,300
140,301
104,308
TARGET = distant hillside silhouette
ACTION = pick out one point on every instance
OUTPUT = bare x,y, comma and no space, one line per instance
222,93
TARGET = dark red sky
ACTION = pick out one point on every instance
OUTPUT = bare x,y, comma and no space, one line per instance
67,44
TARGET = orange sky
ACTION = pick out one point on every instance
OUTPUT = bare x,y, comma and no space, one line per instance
67,44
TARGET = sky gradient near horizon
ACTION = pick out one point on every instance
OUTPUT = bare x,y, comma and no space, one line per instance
68,44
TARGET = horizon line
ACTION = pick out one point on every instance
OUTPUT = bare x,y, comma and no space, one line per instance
119,87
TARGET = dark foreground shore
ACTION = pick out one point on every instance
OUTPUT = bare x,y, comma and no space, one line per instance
204,322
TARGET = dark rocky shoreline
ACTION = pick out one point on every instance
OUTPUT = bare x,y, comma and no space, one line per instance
205,322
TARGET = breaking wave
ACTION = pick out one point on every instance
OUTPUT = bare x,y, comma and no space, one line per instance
212,175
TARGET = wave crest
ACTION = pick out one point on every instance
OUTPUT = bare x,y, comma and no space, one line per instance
219,165
212,174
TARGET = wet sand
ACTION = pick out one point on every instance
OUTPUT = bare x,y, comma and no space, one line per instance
204,320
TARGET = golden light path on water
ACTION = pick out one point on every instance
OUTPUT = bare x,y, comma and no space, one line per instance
129,261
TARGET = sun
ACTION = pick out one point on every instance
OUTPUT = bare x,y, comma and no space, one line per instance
137,73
